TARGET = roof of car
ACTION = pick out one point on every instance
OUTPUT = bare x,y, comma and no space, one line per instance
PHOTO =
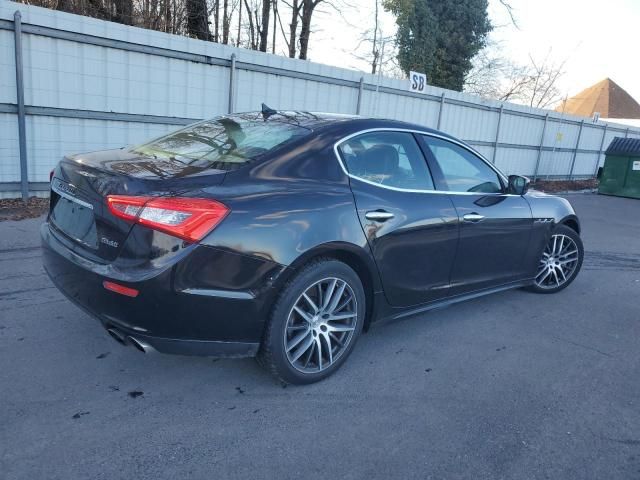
310,120
317,120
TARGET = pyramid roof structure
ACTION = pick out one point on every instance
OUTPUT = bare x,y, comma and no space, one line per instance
607,98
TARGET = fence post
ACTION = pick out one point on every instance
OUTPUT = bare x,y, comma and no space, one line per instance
22,137
575,151
232,83
604,134
544,131
440,110
360,88
495,144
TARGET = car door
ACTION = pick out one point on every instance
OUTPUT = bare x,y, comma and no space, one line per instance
495,226
412,231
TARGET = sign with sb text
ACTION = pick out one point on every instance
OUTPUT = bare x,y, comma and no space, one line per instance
417,82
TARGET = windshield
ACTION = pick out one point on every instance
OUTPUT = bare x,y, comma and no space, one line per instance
224,143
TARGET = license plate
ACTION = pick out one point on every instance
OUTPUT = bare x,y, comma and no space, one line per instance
75,220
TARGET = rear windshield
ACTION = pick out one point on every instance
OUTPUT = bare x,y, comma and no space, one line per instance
224,143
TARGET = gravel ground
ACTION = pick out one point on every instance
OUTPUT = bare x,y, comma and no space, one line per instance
554,186
510,386
17,209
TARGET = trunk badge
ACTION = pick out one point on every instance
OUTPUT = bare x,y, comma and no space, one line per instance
110,243
65,187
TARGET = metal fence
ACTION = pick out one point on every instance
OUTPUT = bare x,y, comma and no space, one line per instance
70,84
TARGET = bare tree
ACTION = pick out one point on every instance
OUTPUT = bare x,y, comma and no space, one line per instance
534,83
296,8
510,12
275,19
216,21
64,6
256,23
369,47
211,20
308,7
301,12
253,41
123,11
375,50
543,90
226,21
239,24
490,71
264,25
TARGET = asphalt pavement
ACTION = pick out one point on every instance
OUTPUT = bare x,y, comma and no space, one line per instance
510,386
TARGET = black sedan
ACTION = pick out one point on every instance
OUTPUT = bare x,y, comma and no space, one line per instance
283,235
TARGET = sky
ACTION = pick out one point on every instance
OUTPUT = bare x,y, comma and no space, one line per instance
596,38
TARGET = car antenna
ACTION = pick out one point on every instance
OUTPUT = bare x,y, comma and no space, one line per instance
267,111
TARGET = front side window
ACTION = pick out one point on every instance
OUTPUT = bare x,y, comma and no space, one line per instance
391,159
224,143
462,171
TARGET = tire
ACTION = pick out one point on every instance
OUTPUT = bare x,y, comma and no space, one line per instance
295,347
556,270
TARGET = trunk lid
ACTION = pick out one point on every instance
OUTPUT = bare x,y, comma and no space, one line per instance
81,183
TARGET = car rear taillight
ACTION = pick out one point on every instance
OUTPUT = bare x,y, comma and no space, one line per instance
187,218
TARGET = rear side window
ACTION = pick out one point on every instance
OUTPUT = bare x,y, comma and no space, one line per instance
224,143
391,159
462,170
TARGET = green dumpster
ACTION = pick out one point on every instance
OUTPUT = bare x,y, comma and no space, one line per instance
621,172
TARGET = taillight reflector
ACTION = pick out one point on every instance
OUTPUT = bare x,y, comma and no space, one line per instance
121,289
187,218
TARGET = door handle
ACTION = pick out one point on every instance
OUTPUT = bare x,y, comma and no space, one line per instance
379,215
472,217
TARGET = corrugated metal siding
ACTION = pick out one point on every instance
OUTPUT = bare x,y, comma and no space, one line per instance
520,130
7,68
469,123
74,74
591,137
9,156
485,151
516,161
53,137
555,164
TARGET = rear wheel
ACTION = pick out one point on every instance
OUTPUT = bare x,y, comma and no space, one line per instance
314,323
559,262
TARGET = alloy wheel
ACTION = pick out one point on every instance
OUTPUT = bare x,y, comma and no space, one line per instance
320,325
558,263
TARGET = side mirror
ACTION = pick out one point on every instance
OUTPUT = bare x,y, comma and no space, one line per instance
518,185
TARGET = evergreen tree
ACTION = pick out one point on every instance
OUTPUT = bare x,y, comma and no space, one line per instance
440,37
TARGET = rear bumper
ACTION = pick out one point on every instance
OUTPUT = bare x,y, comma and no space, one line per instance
175,311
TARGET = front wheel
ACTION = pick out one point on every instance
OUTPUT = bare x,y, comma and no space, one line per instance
559,262
314,323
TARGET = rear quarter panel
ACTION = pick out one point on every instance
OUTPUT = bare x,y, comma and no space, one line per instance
288,205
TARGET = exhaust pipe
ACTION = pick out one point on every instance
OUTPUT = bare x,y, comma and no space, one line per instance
144,347
123,339
117,336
